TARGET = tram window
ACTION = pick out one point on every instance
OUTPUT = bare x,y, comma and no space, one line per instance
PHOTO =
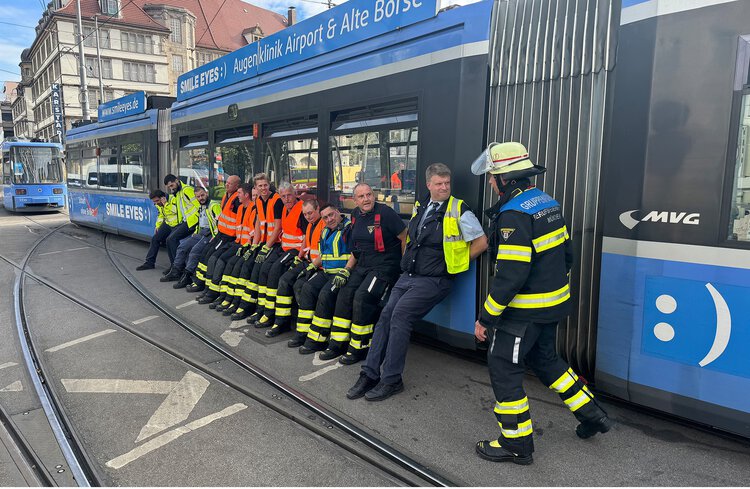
73,166
193,161
108,176
739,220
6,168
131,167
293,160
234,154
89,172
385,159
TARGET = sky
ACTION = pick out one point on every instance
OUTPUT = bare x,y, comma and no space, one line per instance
26,13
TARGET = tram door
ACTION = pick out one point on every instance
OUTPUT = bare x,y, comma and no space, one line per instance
234,154
290,151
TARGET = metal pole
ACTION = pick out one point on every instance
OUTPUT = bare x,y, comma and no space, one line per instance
99,60
82,67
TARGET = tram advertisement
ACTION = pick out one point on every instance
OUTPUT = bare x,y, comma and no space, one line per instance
134,215
349,23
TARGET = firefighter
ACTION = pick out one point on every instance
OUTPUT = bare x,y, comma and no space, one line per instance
378,238
227,232
293,225
444,236
317,287
269,208
187,207
215,296
528,297
191,247
231,280
166,221
309,253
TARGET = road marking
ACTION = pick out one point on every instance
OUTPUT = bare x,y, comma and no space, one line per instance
232,338
63,251
143,320
240,323
320,372
8,364
170,436
79,340
187,304
118,386
177,406
318,362
14,387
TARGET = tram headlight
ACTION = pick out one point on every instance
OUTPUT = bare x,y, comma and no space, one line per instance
20,191
57,191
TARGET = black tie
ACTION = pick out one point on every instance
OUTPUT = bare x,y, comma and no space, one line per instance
428,213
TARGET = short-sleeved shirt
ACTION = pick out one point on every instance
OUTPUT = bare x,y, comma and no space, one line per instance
363,235
471,228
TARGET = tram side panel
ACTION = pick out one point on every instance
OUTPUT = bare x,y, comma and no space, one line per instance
674,328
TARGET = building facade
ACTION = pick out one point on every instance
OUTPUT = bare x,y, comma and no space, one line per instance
143,45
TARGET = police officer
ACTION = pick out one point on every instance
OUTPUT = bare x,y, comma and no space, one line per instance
309,253
166,221
187,206
208,213
226,226
443,236
528,297
317,287
378,236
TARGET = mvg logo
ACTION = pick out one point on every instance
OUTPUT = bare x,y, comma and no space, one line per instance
667,217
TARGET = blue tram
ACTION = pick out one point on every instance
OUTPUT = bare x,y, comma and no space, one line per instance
33,176
640,123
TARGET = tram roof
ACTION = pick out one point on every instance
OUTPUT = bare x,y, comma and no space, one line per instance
137,122
32,144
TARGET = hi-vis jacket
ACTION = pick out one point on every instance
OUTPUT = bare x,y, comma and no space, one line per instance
166,214
187,205
534,256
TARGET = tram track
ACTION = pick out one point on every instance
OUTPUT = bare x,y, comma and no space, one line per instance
319,421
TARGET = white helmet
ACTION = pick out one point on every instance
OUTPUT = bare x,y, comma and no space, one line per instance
511,160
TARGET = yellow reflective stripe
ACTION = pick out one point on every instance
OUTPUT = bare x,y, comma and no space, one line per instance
303,327
362,328
524,429
283,311
340,336
315,336
513,407
305,313
283,299
564,382
271,292
322,322
341,322
358,345
579,399
514,252
492,306
262,289
550,240
545,299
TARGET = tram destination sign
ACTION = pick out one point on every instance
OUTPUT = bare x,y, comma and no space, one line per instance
341,26
132,104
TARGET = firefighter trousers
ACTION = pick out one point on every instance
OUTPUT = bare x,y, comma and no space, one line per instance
317,295
515,345
215,273
216,245
259,277
285,294
275,270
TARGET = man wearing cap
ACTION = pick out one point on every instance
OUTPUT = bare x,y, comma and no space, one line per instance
528,297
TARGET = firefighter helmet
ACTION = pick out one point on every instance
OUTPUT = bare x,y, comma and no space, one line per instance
510,160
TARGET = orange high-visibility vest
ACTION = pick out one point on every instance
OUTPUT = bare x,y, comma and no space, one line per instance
292,237
228,221
312,238
246,230
267,224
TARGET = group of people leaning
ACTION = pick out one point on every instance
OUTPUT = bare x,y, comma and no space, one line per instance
354,287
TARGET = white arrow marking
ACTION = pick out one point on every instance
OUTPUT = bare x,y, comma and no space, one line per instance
170,436
232,338
118,386
79,340
14,387
177,406
187,304
143,320
320,372
8,364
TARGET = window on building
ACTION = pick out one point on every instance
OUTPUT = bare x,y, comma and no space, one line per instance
92,67
176,26
110,7
139,72
94,97
177,63
137,43
90,41
376,145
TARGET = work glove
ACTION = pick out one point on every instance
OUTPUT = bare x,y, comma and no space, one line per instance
297,261
262,254
308,271
341,278
248,254
239,251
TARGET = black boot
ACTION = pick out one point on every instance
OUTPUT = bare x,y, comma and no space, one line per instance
311,346
239,314
297,341
145,266
184,281
331,352
167,271
229,310
208,297
173,275
217,302
352,357
492,451
196,287
587,429
275,331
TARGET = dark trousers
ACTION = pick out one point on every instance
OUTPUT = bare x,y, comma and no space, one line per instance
159,238
216,269
259,276
411,298
180,232
216,246
275,271
358,307
285,293
316,295
242,296
515,345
